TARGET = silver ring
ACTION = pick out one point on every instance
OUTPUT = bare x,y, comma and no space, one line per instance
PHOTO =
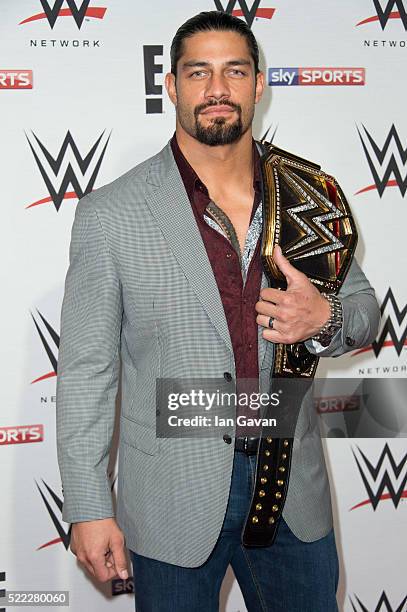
271,323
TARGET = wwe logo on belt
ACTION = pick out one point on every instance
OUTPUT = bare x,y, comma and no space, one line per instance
386,474
382,605
78,13
396,156
383,15
67,153
248,13
392,320
55,338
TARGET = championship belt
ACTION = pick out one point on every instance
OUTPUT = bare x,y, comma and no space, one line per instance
307,214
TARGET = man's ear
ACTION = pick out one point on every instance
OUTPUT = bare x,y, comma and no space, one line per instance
170,87
259,86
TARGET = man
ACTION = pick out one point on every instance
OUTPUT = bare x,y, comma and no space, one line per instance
165,275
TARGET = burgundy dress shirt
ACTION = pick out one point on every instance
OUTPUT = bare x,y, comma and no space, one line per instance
238,297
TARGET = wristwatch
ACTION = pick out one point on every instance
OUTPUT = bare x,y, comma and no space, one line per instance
327,332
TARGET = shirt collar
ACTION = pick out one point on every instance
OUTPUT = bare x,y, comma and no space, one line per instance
192,181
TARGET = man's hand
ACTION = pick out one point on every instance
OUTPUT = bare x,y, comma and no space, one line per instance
298,313
99,546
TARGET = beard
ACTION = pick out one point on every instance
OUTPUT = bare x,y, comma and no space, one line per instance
219,131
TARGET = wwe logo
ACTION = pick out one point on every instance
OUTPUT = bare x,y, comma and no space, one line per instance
384,14
390,160
383,605
386,474
56,516
51,13
248,13
391,322
64,536
55,338
67,153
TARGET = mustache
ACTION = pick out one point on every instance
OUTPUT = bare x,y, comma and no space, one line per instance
201,107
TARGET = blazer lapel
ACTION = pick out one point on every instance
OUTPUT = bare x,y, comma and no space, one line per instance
171,208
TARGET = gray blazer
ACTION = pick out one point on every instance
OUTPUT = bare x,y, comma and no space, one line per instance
140,289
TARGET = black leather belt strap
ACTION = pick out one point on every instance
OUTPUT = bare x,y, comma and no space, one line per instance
247,445
270,490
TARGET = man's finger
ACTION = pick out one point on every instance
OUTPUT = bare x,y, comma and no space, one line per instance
273,335
267,308
101,572
264,320
119,559
269,294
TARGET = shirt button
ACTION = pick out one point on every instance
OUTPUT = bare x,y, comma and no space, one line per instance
228,255
227,438
244,301
250,345
227,376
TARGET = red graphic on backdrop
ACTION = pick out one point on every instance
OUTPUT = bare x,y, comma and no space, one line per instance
22,434
16,79
385,13
52,13
50,167
385,162
386,475
392,333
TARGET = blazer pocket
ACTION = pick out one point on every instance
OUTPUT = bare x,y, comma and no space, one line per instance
138,435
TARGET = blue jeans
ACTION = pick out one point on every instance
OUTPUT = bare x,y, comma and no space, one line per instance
289,576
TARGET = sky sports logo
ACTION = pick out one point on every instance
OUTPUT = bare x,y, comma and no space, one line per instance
16,79
316,76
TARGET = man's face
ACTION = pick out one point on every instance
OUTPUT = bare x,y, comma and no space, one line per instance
216,88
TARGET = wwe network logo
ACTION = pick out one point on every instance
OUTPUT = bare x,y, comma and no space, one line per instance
48,495
248,13
386,474
391,324
385,12
61,165
51,13
51,356
384,162
383,605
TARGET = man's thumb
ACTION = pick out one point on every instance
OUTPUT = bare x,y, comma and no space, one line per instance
282,262
119,559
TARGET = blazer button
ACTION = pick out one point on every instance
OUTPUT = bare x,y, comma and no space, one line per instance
227,376
227,439
350,341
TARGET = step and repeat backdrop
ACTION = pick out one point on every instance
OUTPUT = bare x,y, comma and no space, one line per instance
82,101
